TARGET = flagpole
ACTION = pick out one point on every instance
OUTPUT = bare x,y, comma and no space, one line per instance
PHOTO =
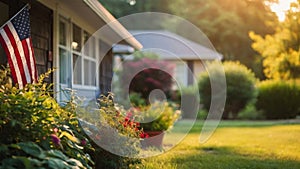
27,5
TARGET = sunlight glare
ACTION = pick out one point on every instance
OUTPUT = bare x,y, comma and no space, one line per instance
281,8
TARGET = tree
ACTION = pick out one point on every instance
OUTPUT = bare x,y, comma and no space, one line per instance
145,75
121,8
227,24
281,51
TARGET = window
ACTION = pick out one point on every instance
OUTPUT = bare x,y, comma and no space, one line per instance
64,54
76,43
78,56
77,69
89,59
63,61
62,33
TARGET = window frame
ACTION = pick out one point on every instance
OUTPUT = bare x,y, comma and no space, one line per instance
82,56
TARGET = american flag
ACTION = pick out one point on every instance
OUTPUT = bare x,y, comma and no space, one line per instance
16,41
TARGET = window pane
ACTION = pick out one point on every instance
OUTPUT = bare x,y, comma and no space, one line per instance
62,33
89,45
90,73
76,44
86,49
77,69
63,66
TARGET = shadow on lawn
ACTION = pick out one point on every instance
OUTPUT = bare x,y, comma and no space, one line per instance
227,158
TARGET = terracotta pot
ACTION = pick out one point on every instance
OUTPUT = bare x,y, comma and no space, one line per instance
155,139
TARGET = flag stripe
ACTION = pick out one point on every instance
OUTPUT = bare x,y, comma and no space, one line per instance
31,60
12,60
26,52
34,62
11,43
19,50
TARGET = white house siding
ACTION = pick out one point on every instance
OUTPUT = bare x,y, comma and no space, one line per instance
180,73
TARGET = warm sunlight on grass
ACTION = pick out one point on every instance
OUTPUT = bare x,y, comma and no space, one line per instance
247,145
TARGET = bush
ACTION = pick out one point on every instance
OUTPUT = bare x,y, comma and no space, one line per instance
113,129
278,99
33,127
251,113
37,132
160,116
240,83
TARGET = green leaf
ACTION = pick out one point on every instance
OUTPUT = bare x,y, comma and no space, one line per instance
55,163
75,162
32,149
3,149
57,154
11,163
29,163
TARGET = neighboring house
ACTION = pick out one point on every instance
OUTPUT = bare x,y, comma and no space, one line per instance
186,54
59,30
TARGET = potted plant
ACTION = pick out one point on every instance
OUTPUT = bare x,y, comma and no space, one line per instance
155,120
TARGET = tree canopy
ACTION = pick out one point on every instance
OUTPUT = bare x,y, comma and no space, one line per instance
227,23
121,8
281,50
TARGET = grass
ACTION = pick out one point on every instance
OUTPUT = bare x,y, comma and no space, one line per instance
234,145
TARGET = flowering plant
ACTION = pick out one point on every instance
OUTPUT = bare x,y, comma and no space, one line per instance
37,130
159,116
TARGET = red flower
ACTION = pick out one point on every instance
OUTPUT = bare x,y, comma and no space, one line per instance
83,142
144,135
137,124
127,119
55,139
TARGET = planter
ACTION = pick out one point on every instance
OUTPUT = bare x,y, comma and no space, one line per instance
155,139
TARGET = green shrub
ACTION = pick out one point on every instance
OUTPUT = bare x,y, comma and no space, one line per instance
136,99
159,116
278,99
251,113
111,129
240,83
202,114
31,117
29,155
37,132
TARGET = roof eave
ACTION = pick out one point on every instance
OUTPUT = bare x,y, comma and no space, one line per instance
113,23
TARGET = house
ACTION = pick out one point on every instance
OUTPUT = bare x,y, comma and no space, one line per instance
59,30
187,55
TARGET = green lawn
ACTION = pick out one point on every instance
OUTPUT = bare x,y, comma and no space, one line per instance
235,145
